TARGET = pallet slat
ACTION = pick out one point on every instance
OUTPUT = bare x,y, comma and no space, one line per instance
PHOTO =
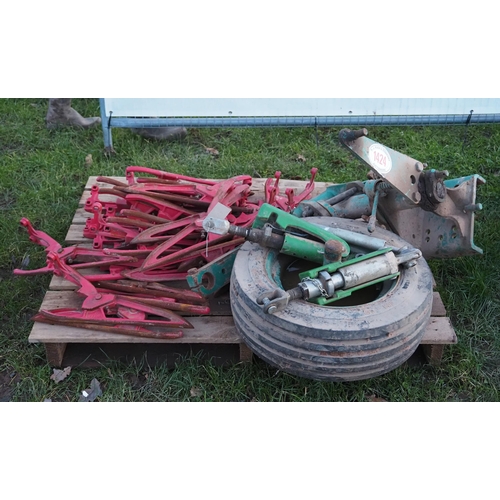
209,329
438,308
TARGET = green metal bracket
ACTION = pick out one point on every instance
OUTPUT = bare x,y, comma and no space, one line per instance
210,278
335,266
274,216
342,294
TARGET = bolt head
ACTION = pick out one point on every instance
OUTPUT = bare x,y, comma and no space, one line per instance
419,167
416,197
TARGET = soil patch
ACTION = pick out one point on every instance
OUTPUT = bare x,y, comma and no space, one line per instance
8,379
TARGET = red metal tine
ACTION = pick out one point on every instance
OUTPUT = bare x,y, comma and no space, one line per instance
68,254
93,299
289,201
242,219
155,260
245,218
113,234
129,172
137,312
142,216
86,320
271,191
162,208
155,290
156,188
154,234
126,308
230,194
100,309
215,248
157,180
170,295
306,192
95,223
164,303
123,220
122,273
112,181
39,237
152,277
102,231
109,207
104,263
107,234
222,188
119,231
182,197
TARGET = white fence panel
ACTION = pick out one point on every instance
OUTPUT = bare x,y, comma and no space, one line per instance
201,107
204,112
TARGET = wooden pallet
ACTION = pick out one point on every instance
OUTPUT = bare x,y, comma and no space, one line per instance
214,335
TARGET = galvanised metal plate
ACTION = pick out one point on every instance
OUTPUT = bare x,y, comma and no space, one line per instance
399,170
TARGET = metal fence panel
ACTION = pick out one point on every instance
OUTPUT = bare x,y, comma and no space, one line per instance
198,107
204,112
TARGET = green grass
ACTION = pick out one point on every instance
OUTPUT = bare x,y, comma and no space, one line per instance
42,175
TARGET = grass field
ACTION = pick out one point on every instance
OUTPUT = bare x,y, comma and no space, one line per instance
42,175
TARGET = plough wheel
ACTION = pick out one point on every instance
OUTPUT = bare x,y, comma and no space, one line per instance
372,335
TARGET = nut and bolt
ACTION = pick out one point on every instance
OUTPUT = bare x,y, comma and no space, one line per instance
473,207
441,174
416,197
333,250
271,309
419,167
408,265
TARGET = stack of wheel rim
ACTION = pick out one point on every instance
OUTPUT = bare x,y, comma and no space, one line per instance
367,337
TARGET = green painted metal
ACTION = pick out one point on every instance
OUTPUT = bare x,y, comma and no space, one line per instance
291,224
342,294
350,209
303,248
335,266
212,277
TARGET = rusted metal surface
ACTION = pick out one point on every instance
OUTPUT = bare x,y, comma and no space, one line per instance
446,232
431,212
